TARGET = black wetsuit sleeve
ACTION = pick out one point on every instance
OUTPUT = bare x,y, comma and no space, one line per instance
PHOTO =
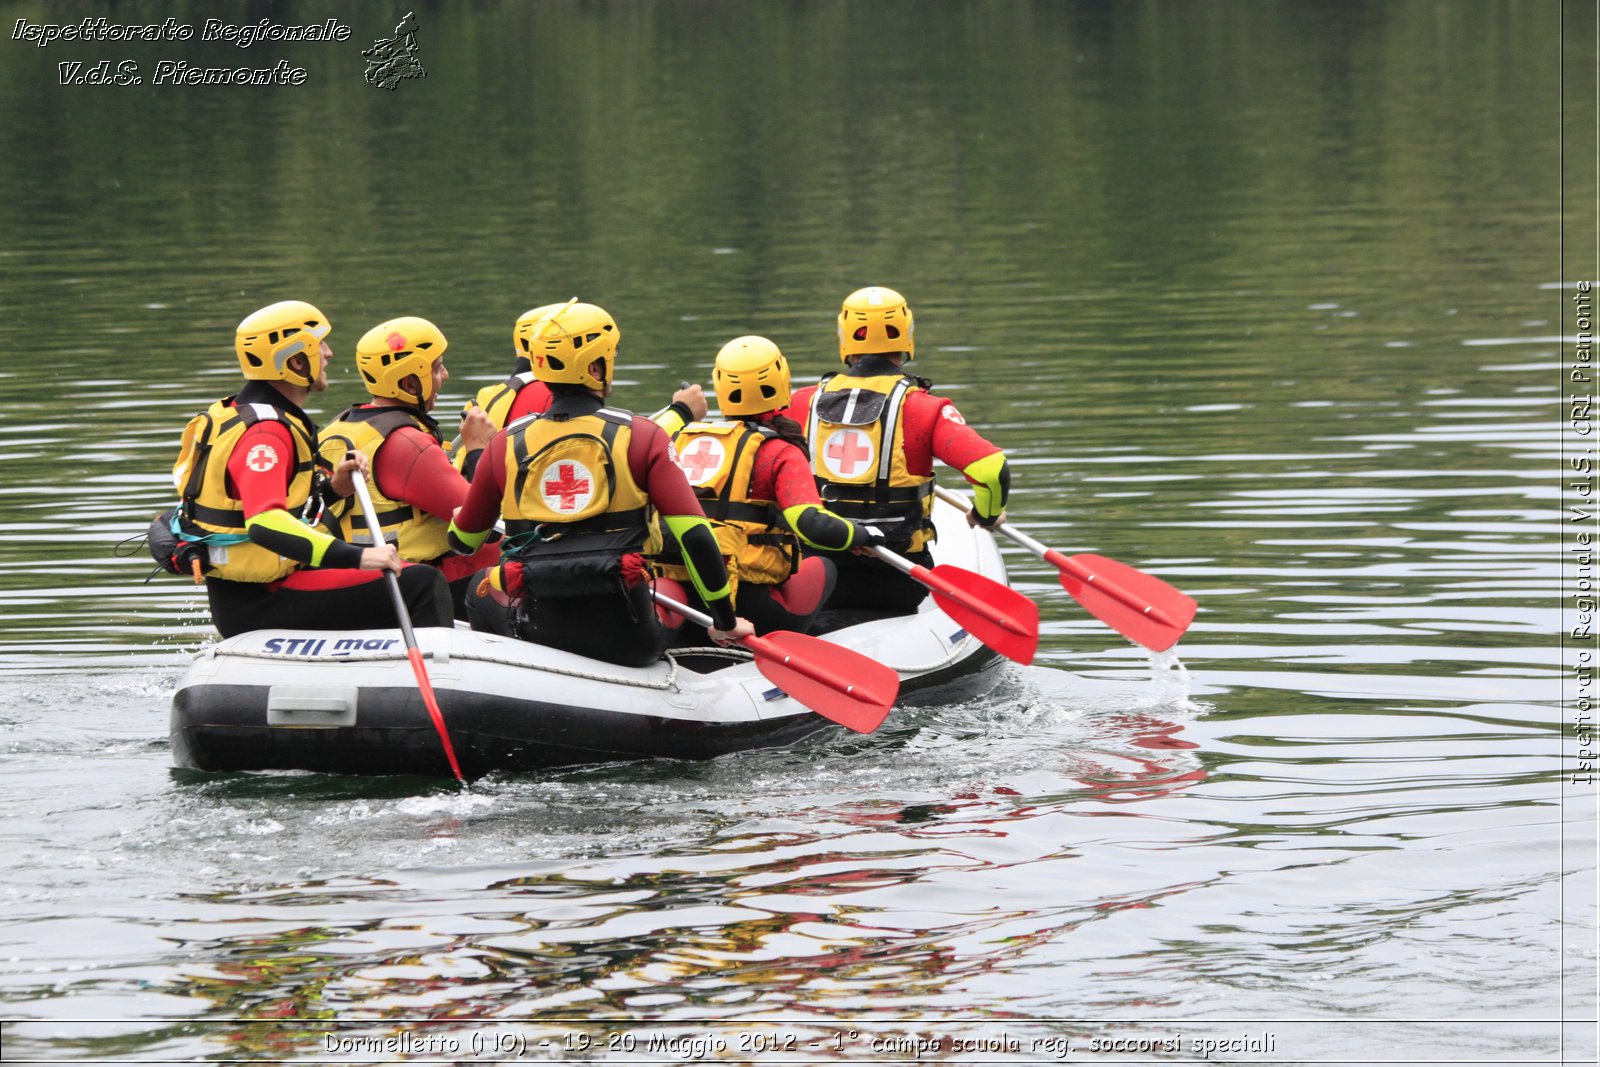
704,556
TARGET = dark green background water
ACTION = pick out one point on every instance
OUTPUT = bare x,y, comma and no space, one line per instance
1265,298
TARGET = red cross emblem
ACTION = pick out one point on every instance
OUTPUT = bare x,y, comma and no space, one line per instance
845,450
703,459
571,487
261,458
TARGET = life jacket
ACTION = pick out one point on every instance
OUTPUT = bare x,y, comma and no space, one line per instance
718,459
496,401
571,505
201,475
858,456
419,536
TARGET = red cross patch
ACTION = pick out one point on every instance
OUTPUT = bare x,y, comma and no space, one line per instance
567,486
701,461
261,458
847,453
949,413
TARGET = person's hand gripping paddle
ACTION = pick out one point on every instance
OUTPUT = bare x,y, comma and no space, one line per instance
1139,606
413,653
835,682
995,614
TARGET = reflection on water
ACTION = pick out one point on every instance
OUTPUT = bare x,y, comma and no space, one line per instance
1264,300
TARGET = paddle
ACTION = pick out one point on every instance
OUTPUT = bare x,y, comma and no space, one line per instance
995,614
1139,606
413,653
833,681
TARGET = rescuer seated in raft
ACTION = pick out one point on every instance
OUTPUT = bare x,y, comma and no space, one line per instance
874,432
752,474
415,490
576,485
522,393
249,481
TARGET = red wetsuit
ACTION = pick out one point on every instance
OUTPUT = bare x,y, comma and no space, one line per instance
410,467
532,399
931,428
621,629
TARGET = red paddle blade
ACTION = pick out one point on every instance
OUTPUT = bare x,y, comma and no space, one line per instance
998,615
429,701
833,681
1139,606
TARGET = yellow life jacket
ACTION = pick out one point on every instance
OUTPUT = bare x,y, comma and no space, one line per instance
718,459
201,475
571,505
419,536
496,401
858,455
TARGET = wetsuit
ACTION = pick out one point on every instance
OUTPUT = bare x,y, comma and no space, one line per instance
757,489
318,586
581,585
928,427
417,490
504,402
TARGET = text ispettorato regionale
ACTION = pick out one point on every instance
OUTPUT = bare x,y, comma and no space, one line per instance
100,29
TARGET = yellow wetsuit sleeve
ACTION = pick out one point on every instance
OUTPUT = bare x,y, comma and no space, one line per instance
991,484
670,419
464,543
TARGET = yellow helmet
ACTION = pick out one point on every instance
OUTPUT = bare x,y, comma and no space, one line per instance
392,350
522,333
751,377
267,339
563,343
875,319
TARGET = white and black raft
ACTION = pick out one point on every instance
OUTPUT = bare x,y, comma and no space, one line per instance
347,702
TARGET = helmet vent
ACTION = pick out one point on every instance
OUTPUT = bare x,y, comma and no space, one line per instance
556,363
768,392
736,397
424,345
892,331
861,333
290,332
272,338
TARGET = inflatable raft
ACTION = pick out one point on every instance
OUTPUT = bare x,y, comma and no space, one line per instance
347,702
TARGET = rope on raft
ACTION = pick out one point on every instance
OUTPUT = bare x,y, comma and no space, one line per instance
957,651
669,682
